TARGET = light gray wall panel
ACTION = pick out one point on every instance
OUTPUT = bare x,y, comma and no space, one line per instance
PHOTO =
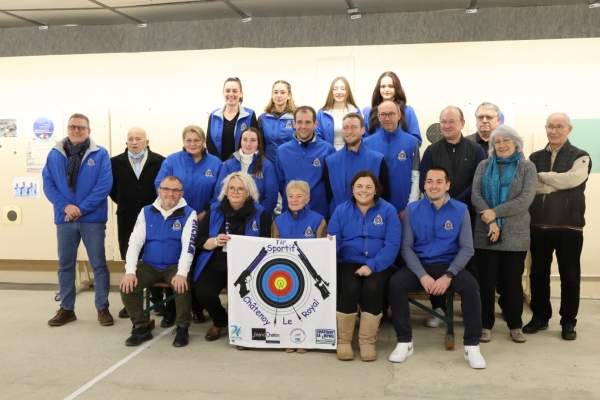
519,23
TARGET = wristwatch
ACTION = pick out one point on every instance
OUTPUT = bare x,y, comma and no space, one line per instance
216,242
450,274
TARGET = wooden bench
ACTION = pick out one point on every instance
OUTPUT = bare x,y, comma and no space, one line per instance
448,318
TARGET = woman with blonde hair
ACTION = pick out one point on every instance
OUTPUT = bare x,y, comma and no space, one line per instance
276,123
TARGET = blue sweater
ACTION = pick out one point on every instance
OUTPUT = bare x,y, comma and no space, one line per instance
297,161
373,240
266,181
325,124
398,150
276,131
94,182
304,226
199,179
411,121
214,135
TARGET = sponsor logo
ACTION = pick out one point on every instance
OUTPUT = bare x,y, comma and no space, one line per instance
288,126
298,335
91,162
309,232
236,332
378,220
176,226
448,225
243,126
325,336
254,226
402,156
208,173
317,163
259,334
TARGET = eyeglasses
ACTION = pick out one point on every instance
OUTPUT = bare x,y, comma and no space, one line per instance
488,117
505,140
558,128
175,191
76,127
233,189
386,115
451,121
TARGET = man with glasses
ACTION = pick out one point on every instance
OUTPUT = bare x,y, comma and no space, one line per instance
167,231
460,157
557,221
134,172
77,180
487,116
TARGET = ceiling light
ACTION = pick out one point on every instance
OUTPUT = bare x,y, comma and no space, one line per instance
247,19
595,5
144,25
471,11
355,16
43,27
352,10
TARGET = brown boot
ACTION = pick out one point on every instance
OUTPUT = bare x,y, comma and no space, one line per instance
62,317
345,331
213,333
105,318
367,335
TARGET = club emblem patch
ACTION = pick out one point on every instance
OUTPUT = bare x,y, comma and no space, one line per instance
176,226
243,127
448,225
309,233
91,162
378,220
288,126
259,175
208,173
316,163
402,156
254,226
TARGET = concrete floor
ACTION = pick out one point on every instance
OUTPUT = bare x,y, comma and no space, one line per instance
39,361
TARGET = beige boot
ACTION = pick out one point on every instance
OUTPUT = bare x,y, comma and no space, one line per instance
367,335
345,329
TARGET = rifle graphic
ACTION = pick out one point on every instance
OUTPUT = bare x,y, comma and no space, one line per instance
244,277
319,282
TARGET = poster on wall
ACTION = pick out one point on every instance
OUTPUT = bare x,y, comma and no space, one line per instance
43,131
507,115
282,293
9,128
26,187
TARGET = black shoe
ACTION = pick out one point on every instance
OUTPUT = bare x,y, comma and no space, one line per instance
160,310
182,337
167,321
535,325
568,332
139,336
123,313
199,318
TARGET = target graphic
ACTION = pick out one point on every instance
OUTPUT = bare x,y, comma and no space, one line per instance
280,283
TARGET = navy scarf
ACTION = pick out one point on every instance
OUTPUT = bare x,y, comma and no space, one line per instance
75,156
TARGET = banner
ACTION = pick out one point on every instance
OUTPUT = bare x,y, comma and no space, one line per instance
282,293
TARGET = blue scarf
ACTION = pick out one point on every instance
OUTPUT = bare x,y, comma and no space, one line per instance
495,185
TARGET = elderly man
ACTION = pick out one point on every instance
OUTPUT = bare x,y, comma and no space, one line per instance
487,116
341,166
557,221
167,232
460,158
134,172
77,179
437,243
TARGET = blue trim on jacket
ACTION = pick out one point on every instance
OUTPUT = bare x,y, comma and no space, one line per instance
276,132
198,178
94,182
304,226
373,240
216,125
411,121
326,126
398,150
216,221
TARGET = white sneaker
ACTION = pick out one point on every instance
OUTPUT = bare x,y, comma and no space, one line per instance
434,322
401,351
474,357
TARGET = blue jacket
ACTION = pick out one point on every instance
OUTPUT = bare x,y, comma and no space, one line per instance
373,240
295,161
215,131
94,182
325,125
162,248
343,165
302,227
436,232
198,179
276,131
216,221
411,121
398,150
266,181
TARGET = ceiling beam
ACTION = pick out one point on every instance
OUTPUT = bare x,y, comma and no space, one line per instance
137,21
22,18
236,9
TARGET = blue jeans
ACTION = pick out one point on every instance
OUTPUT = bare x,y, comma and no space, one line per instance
69,236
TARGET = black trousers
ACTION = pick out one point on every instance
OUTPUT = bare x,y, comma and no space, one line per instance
506,267
209,285
463,283
367,291
568,245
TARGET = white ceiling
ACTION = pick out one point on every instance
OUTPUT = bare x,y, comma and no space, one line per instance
23,13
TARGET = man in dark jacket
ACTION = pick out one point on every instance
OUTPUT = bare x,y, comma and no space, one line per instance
460,157
134,172
557,221
487,118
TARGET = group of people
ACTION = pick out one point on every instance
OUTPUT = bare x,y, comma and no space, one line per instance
462,217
